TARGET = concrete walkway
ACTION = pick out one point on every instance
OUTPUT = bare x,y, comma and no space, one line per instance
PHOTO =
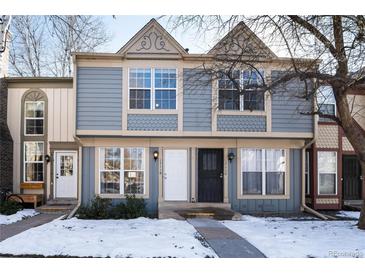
225,242
7,231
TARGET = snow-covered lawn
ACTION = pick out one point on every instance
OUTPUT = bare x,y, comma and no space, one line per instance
20,215
279,237
140,237
349,214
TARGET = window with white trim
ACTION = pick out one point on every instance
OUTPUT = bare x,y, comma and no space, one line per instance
327,172
326,100
33,161
247,81
152,88
263,171
34,117
122,170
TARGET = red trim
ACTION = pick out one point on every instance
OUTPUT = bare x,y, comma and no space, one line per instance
327,123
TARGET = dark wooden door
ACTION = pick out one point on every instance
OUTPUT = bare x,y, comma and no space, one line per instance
210,175
351,178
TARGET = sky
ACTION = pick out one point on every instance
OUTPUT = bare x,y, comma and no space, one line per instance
123,28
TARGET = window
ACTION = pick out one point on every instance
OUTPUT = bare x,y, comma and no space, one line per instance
122,171
263,171
33,161
327,172
248,81
152,89
326,100
34,117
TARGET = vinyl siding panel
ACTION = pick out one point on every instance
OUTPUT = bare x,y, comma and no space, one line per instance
241,123
290,205
288,108
197,101
99,98
153,122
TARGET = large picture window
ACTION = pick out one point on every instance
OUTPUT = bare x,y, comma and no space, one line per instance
249,82
122,170
263,171
33,161
152,88
327,172
34,117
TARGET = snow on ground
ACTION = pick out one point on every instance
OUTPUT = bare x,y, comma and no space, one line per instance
349,214
20,215
279,237
140,237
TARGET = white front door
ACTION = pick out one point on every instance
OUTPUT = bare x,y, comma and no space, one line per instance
176,175
66,174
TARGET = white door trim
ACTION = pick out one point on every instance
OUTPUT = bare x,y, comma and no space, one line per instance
75,167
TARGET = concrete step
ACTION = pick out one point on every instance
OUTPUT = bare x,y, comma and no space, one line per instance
55,208
62,202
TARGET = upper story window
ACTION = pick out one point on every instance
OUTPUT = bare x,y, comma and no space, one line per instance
34,117
326,100
247,81
152,88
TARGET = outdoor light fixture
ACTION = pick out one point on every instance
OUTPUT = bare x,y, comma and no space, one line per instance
231,156
47,158
155,155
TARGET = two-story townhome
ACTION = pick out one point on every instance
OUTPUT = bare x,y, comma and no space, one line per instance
148,121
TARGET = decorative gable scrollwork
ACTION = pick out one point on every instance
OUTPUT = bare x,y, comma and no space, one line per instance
152,41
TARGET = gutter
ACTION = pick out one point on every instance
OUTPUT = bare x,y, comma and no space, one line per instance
73,212
303,206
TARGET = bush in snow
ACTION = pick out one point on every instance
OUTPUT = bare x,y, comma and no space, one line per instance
103,209
9,207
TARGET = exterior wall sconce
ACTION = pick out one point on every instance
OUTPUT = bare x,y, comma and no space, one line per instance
231,156
155,155
47,158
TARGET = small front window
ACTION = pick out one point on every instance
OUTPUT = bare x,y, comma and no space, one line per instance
34,117
33,161
327,172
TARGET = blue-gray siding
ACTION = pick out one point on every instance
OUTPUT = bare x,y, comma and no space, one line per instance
197,101
289,107
152,122
99,98
241,123
88,180
268,205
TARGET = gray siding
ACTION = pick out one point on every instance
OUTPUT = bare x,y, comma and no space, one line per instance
241,123
88,180
197,101
287,107
88,175
99,98
266,205
152,122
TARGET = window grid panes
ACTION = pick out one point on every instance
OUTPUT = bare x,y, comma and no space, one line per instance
33,161
152,88
34,117
327,172
122,171
247,81
263,171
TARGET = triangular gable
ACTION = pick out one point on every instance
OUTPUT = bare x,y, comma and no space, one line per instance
241,40
152,39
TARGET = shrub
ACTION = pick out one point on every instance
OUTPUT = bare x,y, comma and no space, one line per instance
102,209
99,209
9,207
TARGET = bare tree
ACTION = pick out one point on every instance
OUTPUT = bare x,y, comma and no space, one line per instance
42,45
321,50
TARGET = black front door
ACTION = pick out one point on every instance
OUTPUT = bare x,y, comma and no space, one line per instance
351,174
210,175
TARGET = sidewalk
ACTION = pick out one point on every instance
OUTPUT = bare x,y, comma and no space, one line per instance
225,242
7,231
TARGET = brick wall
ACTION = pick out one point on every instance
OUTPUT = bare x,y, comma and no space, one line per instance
6,142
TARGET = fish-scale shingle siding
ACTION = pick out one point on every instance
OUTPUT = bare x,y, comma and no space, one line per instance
153,122
250,123
99,98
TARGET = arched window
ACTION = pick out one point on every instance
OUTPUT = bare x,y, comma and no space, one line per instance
34,113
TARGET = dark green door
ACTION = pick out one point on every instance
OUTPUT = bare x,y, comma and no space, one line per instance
351,173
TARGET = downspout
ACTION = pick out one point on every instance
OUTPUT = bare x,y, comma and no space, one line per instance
304,207
72,213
